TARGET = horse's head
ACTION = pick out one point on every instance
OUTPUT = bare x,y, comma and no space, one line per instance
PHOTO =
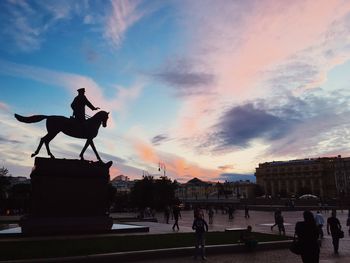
104,118
99,118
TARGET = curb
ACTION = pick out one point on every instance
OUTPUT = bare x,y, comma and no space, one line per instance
157,253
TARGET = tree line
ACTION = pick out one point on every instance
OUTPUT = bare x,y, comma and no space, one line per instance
156,193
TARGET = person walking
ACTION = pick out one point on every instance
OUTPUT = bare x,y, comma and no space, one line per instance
319,223
200,226
230,212
177,215
280,224
167,214
307,234
211,215
334,228
277,212
246,211
348,222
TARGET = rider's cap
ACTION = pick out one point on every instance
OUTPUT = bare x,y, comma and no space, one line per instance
81,90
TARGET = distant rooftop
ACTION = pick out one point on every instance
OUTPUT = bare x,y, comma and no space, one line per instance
302,161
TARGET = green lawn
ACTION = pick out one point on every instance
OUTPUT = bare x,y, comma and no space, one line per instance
95,245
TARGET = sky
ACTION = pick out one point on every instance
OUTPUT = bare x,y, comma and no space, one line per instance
209,89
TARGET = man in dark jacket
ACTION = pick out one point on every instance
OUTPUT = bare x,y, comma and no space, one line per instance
200,226
334,228
78,105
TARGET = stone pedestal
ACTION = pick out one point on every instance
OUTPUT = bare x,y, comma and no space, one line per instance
68,197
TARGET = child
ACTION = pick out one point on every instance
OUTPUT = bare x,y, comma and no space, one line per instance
200,226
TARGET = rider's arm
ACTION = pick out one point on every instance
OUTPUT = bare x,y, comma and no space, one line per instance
88,103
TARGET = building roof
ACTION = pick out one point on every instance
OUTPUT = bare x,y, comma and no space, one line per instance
196,181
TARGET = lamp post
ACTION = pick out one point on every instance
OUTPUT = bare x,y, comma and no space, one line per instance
162,167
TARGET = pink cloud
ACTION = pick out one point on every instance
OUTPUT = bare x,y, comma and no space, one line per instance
4,106
124,14
242,42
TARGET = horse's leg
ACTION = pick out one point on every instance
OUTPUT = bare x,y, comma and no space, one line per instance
39,146
84,149
47,140
94,148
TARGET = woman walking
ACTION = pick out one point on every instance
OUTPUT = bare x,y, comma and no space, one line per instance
307,233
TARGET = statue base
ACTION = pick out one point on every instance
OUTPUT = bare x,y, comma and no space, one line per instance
65,225
68,197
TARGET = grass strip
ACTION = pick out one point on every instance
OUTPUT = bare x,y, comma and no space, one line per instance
22,249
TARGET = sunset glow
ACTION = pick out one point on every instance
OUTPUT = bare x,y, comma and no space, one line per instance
209,88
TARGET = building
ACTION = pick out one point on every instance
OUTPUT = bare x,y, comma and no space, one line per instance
342,176
122,183
324,177
243,189
196,189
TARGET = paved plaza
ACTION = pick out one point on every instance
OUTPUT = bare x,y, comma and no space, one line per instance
261,222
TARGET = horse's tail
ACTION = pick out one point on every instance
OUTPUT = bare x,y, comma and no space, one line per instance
30,119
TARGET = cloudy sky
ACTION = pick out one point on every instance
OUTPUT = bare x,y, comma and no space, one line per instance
208,88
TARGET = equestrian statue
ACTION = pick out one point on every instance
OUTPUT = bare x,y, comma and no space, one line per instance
76,126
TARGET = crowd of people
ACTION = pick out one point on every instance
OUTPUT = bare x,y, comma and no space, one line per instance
309,232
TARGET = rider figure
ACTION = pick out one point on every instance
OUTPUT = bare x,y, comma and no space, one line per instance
78,105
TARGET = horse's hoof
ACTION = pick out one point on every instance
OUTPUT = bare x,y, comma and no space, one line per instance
33,154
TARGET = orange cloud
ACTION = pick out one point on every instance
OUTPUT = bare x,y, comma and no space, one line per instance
186,170
146,152
176,167
114,171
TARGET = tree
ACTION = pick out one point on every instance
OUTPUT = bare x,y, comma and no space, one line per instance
4,182
4,171
19,197
164,192
155,193
258,190
142,192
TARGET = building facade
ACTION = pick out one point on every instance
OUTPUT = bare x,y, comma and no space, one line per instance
324,177
342,176
196,189
122,183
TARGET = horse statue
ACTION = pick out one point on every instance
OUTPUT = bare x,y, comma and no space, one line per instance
69,126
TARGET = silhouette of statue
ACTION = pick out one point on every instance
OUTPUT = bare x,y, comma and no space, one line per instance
78,105
70,127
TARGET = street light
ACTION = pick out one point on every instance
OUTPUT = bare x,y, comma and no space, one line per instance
162,167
